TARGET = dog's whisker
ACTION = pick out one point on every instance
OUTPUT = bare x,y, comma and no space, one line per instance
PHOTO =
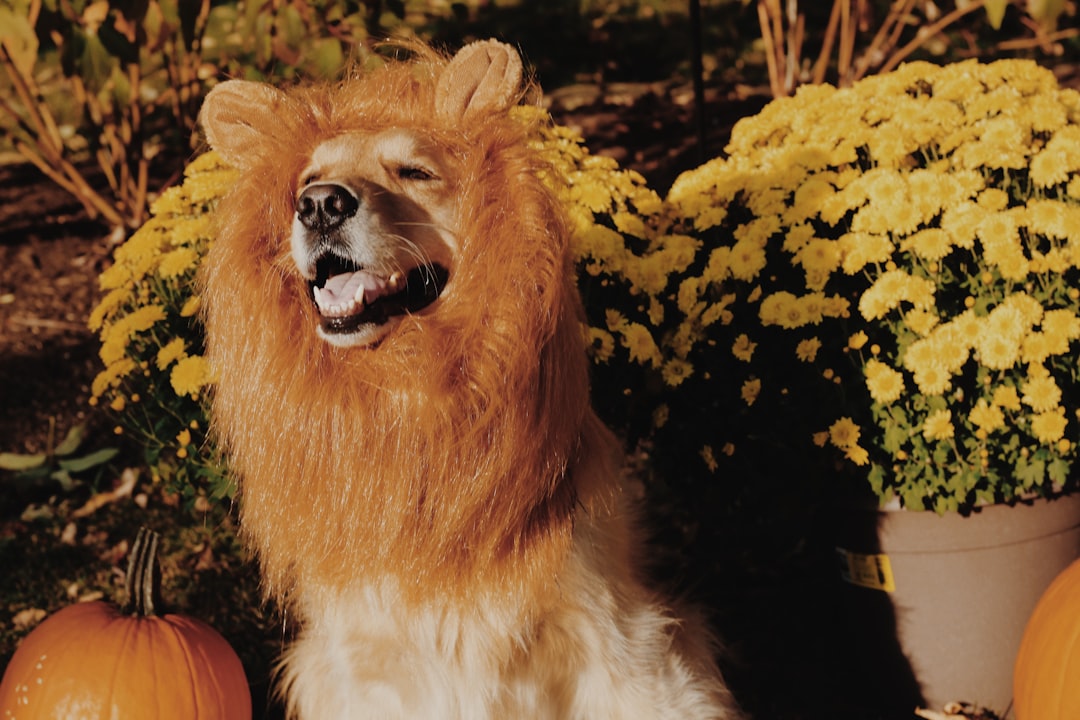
417,253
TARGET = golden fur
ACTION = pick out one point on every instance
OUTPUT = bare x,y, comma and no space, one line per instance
433,497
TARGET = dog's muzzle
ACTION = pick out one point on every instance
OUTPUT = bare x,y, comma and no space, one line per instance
348,295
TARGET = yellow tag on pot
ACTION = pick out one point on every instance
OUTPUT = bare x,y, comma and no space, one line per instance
868,571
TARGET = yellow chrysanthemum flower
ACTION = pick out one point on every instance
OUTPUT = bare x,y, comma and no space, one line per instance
602,344
922,353
807,349
809,197
819,255
1005,396
921,321
593,196
844,433
1061,326
642,347
709,458
885,384
1048,427
189,376
785,310
938,425
962,222
1040,392
1035,348
857,250
170,351
743,349
933,380
177,262
1000,237
115,337
111,376
191,306
797,238
746,260
109,304
1053,164
757,231
929,243
892,288
675,371
986,417
719,311
750,390
857,455
173,201
1073,188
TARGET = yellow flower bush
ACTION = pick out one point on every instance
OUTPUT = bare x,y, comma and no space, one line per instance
890,272
155,378
916,239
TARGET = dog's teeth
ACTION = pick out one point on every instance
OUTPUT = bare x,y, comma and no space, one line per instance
318,295
358,297
394,281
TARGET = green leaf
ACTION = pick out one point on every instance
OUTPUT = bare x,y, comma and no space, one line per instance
63,477
1030,474
291,28
121,88
1046,12
20,463
327,56
262,38
876,476
942,454
19,39
88,461
995,12
95,63
71,442
154,27
1058,471
894,437
912,497
944,504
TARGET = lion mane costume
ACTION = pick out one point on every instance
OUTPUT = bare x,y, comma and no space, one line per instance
402,392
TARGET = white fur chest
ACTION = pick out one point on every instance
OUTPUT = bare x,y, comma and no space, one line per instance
603,650
366,656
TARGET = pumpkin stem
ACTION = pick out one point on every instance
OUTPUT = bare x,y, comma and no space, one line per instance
143,579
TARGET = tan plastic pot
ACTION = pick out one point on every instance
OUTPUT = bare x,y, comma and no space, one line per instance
949,596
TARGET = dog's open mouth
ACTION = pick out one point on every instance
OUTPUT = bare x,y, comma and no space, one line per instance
349,296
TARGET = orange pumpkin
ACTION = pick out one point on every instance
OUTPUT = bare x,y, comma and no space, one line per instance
1046,677
93,660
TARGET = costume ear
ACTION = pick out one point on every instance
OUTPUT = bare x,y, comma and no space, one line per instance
244,120
484,76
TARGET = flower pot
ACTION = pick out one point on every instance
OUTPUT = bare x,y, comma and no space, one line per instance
949,596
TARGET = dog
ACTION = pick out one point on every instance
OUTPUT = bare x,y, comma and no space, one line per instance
402,392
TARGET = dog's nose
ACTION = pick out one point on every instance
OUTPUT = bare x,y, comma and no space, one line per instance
324,207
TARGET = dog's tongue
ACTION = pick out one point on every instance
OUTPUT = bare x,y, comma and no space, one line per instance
341,290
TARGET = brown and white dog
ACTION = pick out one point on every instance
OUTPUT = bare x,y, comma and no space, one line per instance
402,391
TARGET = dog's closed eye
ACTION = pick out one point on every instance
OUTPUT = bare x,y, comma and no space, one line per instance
415,173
